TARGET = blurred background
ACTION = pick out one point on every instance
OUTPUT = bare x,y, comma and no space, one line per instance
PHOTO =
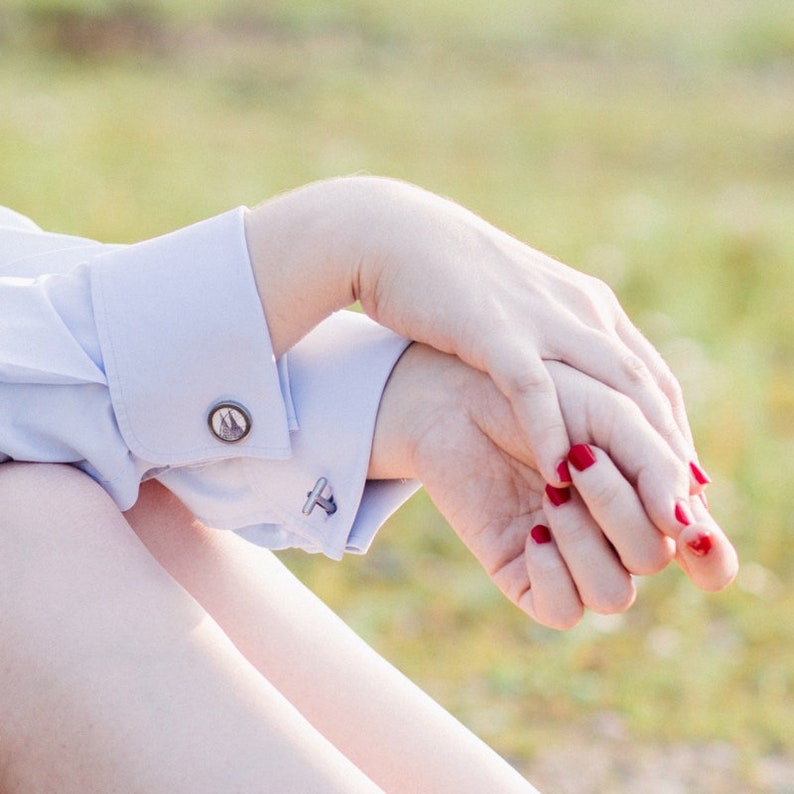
648,143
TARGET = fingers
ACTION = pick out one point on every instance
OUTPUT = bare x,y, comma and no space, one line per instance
603,582
589,540
613,423
573,563
615,507
704,552
553,599
539,402
527,384
661,373
626,362
579,572
702,549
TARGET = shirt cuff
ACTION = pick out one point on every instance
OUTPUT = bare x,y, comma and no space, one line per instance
337,374
183,333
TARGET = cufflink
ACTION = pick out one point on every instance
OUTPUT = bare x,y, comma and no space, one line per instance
229,422
315,497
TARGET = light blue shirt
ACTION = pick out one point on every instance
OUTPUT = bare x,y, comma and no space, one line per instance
114,358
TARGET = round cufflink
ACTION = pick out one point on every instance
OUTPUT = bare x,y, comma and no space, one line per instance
229,422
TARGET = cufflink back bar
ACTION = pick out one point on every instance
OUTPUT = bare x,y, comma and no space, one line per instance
315,497
229,422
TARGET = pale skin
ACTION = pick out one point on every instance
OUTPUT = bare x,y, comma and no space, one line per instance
436,273
463,446
228,674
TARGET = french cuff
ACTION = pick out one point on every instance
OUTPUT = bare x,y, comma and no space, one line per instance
186,348
337,375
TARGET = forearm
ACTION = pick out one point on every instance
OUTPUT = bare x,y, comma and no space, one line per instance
305,246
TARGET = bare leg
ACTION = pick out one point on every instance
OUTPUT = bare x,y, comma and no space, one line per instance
402,739
113,679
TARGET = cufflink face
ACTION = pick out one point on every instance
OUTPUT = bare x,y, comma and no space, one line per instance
229,422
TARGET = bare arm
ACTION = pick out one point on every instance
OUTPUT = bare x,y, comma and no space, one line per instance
436,273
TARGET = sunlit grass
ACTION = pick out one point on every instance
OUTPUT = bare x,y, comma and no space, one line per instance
651,144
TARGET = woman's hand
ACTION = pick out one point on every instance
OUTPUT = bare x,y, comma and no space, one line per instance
449,426
436,273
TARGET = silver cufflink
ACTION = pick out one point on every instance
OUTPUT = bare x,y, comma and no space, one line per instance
229,422
315,497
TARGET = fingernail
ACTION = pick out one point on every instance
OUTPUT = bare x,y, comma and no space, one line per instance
563,472
701,478
540,534
581,457
558,496
701,545
702,497
683,514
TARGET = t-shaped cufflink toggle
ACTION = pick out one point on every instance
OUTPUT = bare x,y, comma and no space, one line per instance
315,497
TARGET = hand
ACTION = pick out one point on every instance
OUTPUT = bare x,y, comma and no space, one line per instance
449,426
436,273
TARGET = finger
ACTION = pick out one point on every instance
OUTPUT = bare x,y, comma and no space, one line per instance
616,508
552,600
612,422
630,371
603,583
670,386
704,552
660,371
699,478
526,383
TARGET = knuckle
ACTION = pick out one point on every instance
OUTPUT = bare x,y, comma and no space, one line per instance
605,293
668,383
532,381
654,561
614,600
604,492
572,535
635,369
605,298
607,416
564,618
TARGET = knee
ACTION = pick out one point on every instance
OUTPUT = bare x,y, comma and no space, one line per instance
41,498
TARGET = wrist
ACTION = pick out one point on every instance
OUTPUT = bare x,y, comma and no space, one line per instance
304,257
424,390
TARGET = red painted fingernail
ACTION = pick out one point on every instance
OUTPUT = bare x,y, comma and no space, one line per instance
558,496
540,534
701,545
683,514
581,457
701,478
563,472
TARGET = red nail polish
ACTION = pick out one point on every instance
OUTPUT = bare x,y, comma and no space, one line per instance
701,545
581,457
540,534
558,496
683,514
563,472
701,478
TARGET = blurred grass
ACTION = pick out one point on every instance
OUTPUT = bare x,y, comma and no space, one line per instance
651,144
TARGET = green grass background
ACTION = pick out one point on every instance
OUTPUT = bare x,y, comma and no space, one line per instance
649,143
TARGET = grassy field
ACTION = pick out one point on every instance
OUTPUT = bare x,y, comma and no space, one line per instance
651,144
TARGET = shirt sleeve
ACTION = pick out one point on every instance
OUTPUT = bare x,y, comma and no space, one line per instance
336,376
154,360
